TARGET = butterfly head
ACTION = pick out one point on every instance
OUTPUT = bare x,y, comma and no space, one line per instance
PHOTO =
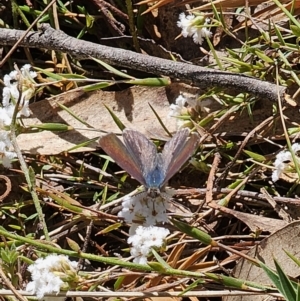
153,192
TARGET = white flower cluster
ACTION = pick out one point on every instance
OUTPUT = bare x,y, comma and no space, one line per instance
182,106
144,239
10,96
194,26
284,162
46,274
144,212
142,208
179,108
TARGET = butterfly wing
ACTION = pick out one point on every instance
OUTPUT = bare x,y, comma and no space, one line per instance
145,155
114,147
177,151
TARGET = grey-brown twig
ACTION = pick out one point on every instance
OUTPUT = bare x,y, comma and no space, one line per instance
57,40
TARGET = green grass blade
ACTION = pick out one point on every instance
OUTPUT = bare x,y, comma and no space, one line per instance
287,287
73,115
160,121
112,69
118,122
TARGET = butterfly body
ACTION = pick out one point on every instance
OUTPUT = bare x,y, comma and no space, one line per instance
139,157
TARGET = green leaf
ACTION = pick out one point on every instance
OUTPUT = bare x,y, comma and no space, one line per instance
192,286
255,156
89,20
156,266
72,76
68,110
151,82
118,122
295,259
83,144
272,275
110,228
295,29
54,127
264,57
160,121
194,232
287,287
31,177
160,259
279,35
73,245
50,74
298,293
97,86
112,69
118,283
5,255
16,227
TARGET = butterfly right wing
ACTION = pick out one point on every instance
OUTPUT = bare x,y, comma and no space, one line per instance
144,152
177,151
114,147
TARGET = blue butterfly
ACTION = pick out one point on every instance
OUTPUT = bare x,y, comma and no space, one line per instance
139,156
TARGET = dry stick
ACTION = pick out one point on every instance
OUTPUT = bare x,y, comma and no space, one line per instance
11,287
244,143
8,187
21,38
52,39
211,177
113,9
244,195
280,211
109,18
210,184
142,295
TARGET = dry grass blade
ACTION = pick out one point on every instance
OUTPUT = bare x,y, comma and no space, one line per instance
154,6
270,10
236,3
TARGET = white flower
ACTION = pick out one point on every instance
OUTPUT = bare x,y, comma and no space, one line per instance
185,108
25,111
186,24
44,274
5,117
5,145
284,162
144,239
10,96
200,34
178,108
194,26
147,210
11,92
26,71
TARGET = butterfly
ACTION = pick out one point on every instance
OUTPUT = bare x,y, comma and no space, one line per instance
139,157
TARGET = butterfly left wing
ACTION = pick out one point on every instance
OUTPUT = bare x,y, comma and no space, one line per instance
114,147
177,151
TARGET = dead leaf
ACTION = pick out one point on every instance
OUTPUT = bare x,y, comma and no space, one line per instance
131,106
271,247
255,222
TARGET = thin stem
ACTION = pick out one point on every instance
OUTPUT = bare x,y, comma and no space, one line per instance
29,174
